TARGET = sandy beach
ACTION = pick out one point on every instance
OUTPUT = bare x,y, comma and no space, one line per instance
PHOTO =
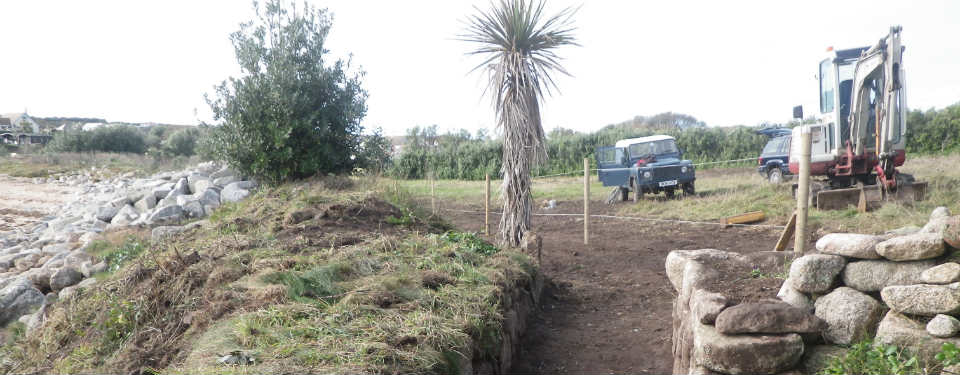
23,203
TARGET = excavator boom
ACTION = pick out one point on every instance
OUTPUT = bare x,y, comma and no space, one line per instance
865,123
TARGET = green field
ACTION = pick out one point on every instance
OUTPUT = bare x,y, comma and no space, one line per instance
724,192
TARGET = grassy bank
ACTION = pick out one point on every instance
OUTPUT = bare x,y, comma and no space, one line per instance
724,192
300,279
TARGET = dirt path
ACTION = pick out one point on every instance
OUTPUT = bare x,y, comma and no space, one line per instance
608,308
23,203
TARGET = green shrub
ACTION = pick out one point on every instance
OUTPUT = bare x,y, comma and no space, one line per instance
182,143
934,131
949,354
865,357
470,241
116,138
117,256
289,115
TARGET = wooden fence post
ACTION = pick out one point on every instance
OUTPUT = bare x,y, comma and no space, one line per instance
433,196
803,192
486,208
586,201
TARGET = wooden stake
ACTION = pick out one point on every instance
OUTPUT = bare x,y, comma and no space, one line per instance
586,201
803,192
787,233
433,196
862,203
486,208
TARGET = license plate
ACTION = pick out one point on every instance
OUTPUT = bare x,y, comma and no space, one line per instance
668,183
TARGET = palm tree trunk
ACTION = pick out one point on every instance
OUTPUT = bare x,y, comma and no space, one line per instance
523,148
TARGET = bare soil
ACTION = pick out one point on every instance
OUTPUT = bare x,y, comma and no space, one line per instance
608,306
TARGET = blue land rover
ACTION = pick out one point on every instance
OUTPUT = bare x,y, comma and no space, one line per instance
645,165
774,160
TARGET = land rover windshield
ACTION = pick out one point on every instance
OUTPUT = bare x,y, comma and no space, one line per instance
666,146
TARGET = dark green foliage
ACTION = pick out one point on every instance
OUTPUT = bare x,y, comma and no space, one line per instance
865,357
375,151
459,155
949,354
470,241
116,257
407,218
293,113
934,131
116,138
120,321
182,143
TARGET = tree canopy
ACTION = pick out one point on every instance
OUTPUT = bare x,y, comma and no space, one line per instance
293,112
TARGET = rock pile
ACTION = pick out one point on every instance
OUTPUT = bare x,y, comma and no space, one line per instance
50,258
829,298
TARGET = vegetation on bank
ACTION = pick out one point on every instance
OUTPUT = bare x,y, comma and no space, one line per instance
320,281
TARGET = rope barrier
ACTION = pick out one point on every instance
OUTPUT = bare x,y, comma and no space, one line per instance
640,218
665,166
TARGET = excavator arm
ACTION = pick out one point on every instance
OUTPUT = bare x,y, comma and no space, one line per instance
877,107
875,116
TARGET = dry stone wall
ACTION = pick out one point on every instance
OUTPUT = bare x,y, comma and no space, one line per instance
49,261
901,288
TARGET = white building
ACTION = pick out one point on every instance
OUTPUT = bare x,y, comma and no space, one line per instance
19,122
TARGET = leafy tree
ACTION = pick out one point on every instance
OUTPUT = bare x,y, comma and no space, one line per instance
517,42
182,143
375,152
292,113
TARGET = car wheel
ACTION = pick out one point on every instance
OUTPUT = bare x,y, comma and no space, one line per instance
775,176
688,189
670,193
624,194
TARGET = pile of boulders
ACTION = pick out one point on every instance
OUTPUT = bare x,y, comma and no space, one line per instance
49,261
903,288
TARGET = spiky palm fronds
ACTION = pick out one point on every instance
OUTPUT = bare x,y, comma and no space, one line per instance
517,42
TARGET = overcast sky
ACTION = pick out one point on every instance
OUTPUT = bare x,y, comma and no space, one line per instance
724,62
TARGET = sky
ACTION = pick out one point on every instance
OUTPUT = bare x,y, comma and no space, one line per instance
723,62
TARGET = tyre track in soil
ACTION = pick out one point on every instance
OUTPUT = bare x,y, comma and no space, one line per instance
608,305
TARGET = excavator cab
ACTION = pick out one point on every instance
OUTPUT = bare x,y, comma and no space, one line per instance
862,123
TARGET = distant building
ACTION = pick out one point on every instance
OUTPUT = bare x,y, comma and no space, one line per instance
21,129
397,143
19,122
92,126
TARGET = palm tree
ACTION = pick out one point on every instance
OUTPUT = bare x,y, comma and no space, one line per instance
517,43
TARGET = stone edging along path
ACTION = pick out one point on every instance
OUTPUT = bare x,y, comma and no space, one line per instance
828,300
48,261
